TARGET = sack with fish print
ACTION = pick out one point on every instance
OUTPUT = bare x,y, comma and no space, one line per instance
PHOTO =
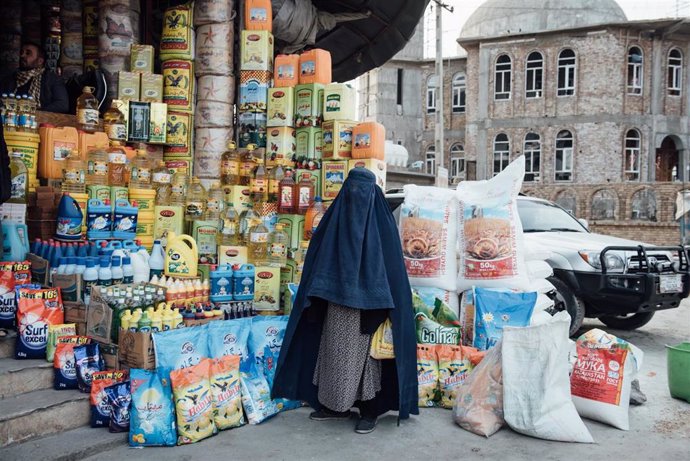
427,375
177,37
226,392
98,400
193,403
490,238
152,418
229,337
37,308
64,363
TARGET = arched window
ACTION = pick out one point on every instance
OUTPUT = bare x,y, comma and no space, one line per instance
503,77
431,89
604,204
675,72
564,156
568,201
532,151
631,156
566,72
501,152
459,90
457,161
431,160
534,78
635,70
644,205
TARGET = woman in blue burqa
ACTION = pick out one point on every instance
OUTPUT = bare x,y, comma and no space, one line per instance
353,280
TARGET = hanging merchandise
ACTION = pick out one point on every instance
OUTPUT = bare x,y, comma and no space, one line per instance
214,49
177,38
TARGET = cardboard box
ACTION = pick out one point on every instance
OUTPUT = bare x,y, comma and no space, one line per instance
280,144
309,143
151,88
70,287
136,349
293,224
159,123
239,196
256,50
99,319
111,355
308,105
314,176
40,268
229,254
267,288
196,323
81,328
74,312
139,121
141,58
128,85
337,139
333,175
378,167
253,95
281,107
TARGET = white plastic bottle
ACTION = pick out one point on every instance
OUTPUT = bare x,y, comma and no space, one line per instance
157,259
62,266
71,265
90,279
105,275
80,267
116,270
140,266
127,270
144,254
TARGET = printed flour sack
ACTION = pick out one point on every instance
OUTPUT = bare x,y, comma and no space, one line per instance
601,379
490,240
37,308
428,232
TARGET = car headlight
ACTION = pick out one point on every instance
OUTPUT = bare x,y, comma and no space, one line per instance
613,261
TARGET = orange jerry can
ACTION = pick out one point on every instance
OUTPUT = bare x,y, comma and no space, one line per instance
258,15
368,141
286,70
56,145
315,67
88,141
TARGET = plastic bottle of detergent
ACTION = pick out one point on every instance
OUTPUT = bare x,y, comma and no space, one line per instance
80,266
71,265
90,279
116,270
243,283
157,259
99,219
105,275
69,219
15,243
178,321
221,283
127,270
156,322
125,220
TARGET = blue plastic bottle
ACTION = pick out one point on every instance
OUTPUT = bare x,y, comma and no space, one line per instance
37,246
69,219
15,244
70,251
93,250
221,283
99,220
243,283
125,220
83,250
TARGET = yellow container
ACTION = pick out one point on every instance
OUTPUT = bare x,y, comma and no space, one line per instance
167,219
146,242
145,198
88,141
339,102
56,145
99,192
145,225
181,256
27,145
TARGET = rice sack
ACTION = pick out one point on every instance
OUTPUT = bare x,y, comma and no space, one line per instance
429,295
256,395
229,337
177,37
226,392
152,417
490,239
98,400
180,348
88,360
64,363
193,402
427,375
496,309
428,231
55,332
37,308
454,365
120,400
266,331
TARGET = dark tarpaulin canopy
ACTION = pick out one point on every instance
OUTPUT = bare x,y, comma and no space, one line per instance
360,34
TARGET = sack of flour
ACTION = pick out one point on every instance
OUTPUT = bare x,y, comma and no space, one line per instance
428,231
490,239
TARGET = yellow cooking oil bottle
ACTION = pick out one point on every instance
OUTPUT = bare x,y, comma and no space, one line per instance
181,256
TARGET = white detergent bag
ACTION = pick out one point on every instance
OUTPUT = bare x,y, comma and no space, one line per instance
536,386
490,239
428,232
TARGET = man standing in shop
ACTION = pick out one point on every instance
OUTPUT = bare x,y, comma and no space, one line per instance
35,80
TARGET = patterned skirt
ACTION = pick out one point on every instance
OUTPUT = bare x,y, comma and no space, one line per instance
345,372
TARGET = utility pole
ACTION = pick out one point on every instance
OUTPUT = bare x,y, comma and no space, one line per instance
439,142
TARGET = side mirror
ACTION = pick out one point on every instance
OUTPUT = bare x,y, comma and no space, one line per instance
584,223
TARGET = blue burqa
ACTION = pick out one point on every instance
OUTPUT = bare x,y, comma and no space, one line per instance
355,260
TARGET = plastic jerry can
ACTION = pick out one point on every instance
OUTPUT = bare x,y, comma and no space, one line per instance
99,220
89,141
368,140
286,70
125,220
56,145
221,284
243,283
181,256
15,241
315,66
339,102
258,15
130,245
69,219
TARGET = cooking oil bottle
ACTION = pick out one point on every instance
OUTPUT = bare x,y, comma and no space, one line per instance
246,218
259,184
141,171
215,203
230,227
117,164
230,166
161,180
74,174
286,198
20,179
178,187
97,167
274,177
195,203
278,242
87,111
247,165
257,247
114,123
313,217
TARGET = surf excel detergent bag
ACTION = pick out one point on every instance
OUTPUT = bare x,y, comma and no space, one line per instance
37,308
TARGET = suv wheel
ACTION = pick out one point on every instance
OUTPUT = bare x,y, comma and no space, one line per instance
627,321
566,300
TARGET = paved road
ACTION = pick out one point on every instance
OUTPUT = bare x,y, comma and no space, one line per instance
658,430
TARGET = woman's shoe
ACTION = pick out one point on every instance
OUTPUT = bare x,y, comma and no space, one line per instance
325,415
365,425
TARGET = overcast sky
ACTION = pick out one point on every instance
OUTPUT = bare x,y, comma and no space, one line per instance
452,22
